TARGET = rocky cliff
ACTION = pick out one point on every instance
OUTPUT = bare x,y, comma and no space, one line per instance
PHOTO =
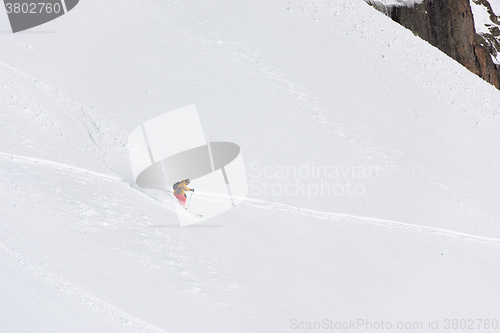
449,25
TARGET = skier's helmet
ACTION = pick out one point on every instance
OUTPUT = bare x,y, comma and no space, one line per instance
187,181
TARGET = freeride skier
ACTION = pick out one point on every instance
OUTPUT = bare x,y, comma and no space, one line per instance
180,191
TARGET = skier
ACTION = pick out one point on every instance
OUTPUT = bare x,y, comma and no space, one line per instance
180,191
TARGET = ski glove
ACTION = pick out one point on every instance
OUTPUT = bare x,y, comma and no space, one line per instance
192,189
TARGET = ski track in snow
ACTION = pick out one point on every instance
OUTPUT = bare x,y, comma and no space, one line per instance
58,165
89,122
338,217
364,219
117,317
14,69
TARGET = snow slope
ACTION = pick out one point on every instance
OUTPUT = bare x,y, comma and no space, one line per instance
332,84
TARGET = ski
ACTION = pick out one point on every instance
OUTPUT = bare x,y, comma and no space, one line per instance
184,211
194,214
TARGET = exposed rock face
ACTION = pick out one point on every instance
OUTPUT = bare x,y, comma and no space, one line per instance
449,25
487,69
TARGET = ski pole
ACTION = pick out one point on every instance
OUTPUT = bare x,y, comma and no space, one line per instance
189,199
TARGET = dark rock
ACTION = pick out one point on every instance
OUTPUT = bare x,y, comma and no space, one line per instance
449,26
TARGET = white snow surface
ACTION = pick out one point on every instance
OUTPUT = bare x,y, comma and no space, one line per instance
327,83
481,18
495,5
